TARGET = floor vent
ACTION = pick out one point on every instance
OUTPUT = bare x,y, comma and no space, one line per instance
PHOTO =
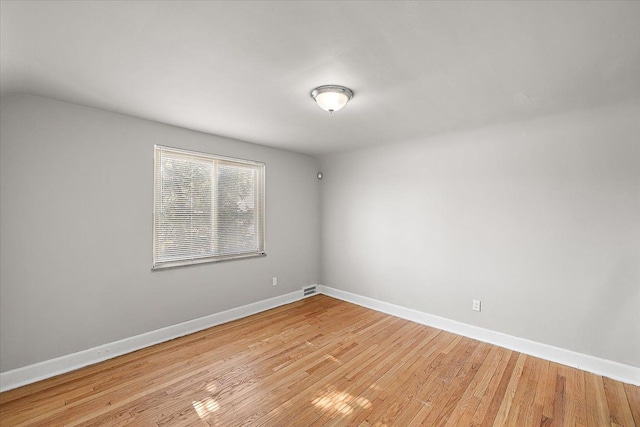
309,290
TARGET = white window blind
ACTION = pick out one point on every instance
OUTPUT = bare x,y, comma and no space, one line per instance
206,208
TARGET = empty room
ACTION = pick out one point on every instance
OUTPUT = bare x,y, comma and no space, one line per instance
320,213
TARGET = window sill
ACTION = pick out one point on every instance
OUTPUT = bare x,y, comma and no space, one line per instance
185,263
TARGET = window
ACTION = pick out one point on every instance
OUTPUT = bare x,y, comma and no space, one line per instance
206,208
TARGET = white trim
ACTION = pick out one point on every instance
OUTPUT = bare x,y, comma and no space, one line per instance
70,362
49,368
615,370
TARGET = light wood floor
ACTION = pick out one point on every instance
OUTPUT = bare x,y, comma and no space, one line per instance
321,361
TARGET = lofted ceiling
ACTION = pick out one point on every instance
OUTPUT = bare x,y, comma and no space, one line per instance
245,69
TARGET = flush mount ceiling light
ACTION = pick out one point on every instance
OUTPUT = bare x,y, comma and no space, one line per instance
331,97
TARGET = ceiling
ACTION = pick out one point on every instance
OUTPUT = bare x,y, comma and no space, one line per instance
245,69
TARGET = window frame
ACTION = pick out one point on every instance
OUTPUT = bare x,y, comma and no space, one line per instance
160,265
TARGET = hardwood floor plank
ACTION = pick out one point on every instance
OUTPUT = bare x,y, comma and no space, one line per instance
267,369
439,372
525,396
372,393
618,404
597,409
487,397
331,393
321,361
500,395
462,384
507,401
371,386
336,366
633,397
444,404
484,384
569,414
559,400
358,388
579,398
550,393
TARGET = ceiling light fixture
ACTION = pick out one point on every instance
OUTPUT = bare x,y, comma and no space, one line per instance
331,97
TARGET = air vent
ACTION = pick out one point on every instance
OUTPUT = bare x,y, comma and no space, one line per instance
309,290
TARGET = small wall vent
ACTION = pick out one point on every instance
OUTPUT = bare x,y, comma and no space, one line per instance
308,291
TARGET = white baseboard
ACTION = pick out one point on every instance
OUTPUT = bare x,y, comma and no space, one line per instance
49,368
617,371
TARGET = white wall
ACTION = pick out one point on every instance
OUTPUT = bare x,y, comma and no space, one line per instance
540,220
76,187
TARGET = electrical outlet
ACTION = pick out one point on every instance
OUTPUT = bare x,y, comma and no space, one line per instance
476,305
275,281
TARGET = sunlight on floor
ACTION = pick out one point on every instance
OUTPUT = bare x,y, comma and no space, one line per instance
205,407
341,402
